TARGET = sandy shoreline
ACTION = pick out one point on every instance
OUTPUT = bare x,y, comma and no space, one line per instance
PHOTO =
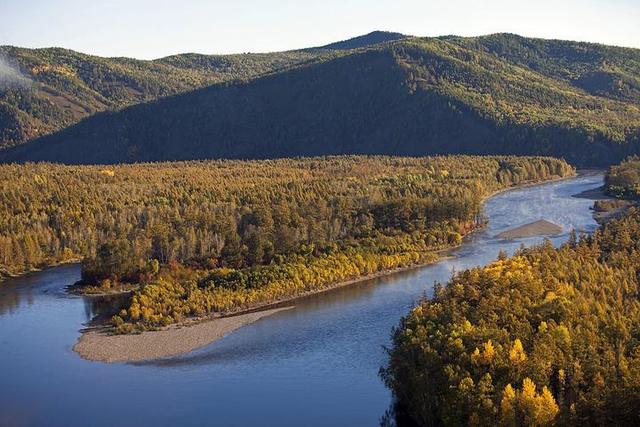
99,345
537,228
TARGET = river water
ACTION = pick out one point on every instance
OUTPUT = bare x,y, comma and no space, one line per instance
314,365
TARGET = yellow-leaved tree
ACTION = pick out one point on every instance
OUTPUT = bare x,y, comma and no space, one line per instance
526,407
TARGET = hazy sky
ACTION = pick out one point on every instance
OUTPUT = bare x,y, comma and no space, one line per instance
155,28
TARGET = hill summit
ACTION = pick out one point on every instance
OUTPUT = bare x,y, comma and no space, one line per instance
498,94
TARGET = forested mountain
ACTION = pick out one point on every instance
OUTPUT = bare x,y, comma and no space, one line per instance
608,71
411,96
373,38
54,88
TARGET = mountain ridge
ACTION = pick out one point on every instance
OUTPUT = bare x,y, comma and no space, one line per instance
366,40
450,94
67,86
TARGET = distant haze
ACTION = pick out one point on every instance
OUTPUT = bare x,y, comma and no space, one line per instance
10,75
155,28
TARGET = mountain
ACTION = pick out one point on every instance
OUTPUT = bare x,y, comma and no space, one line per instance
501,94
59,87
371,39
600,70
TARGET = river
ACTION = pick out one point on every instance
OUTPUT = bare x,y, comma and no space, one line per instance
314,365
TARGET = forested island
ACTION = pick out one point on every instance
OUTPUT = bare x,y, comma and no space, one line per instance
546,337
220,236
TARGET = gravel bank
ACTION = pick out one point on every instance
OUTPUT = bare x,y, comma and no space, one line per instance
101,346
537,228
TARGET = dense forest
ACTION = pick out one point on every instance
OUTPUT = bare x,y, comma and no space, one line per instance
499,94
219,235
546,337
53,88
607,71
623,180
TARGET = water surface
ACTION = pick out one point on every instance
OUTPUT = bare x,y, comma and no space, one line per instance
314,365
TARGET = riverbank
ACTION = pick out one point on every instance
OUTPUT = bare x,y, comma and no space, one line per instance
606,207
101,345
534,183
5,274
594,194
98,292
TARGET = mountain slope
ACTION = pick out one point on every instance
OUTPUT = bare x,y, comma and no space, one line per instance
411,97
59,87
303,112
608,71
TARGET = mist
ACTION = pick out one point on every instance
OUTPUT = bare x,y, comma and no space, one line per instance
10,75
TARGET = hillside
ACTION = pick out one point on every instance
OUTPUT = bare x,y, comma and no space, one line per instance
608,71
499,94
56,87
60,87
373,38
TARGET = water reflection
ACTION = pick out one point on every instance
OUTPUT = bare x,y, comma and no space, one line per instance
102,308
27,290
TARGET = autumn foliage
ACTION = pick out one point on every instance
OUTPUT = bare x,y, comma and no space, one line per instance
546,337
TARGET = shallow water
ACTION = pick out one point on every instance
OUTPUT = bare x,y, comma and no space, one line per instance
314,365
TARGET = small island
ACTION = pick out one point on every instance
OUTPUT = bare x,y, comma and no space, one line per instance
541,227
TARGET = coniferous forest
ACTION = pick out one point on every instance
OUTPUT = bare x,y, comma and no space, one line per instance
623,180
216,236
224,213
546,337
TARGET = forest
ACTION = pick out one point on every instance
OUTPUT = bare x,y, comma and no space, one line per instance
499,94
546,337
59,87
623,180
214,236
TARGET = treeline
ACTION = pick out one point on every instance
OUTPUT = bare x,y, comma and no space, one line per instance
130,222
546,337
623,180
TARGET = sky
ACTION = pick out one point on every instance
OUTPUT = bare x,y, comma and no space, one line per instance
149,29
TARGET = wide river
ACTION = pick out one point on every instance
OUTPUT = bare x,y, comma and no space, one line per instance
314,365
